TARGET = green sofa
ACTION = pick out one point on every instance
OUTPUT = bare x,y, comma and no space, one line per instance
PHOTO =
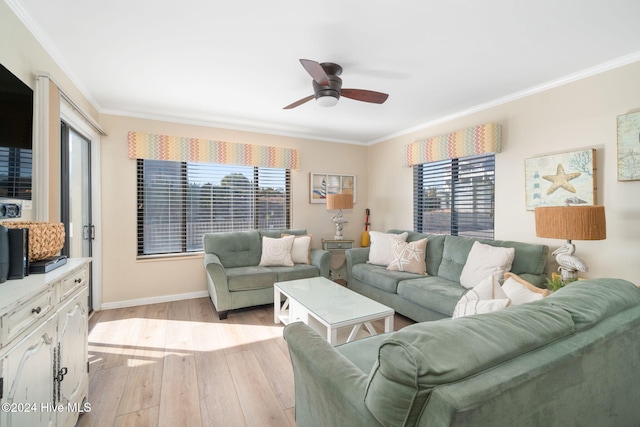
570,359
435,295
234,278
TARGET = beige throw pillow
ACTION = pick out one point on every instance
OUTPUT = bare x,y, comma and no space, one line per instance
380,252
301,249
486,297
276,252
520,291
485,260
409,256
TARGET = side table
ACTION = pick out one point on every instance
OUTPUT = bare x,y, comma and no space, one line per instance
337,247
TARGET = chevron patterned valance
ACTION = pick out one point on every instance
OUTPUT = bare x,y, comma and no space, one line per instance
467,142
163,147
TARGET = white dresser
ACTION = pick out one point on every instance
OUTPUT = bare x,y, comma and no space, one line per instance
43,347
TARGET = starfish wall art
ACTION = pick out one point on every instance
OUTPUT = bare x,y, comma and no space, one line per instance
558,179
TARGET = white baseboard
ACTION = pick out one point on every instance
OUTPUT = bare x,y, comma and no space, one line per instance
153,300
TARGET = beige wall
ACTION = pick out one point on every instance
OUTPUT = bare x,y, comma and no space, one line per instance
574,116
126,278
23,55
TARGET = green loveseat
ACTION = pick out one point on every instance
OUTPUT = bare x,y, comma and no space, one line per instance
435,295
234,278
570,359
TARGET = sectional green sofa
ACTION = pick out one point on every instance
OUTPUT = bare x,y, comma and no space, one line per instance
434,296
234,278
570,359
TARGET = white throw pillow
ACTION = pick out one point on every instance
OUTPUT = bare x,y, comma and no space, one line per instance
301,249
409,256
486,297
485,260
381,252
276,252
489,288
479,307
520,291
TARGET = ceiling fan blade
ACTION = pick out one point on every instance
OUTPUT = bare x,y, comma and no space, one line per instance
316,71
365,95
299,102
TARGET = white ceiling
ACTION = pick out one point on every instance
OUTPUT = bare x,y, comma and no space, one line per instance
234,64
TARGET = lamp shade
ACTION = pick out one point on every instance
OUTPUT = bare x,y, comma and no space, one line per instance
571,222
339,201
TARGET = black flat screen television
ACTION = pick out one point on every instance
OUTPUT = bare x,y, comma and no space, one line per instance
16,136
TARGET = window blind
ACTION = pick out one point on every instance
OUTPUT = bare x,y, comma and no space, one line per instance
178,202
455,196
15,173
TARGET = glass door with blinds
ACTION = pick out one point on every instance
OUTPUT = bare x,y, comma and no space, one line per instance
76,195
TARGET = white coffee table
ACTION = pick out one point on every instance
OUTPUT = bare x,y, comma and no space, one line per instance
326,306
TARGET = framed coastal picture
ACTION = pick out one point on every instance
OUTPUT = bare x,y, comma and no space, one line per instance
629,147
321,184
558,179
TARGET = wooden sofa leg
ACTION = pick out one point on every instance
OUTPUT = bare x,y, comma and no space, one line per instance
223,315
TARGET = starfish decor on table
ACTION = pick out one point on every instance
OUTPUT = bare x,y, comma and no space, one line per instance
561,179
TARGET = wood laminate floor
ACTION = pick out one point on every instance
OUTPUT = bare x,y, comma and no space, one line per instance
177,364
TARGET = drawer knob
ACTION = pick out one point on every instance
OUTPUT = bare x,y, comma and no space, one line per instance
36,310
78,280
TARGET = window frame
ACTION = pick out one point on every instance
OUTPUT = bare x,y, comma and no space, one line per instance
17,183
184,222
470,184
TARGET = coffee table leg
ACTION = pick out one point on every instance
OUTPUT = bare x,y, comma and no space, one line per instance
276,305
370,328
388,324
332,336
354,332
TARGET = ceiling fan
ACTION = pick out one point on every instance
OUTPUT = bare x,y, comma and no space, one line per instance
327,86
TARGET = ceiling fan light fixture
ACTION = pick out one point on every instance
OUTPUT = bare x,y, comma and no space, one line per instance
327,101
327,86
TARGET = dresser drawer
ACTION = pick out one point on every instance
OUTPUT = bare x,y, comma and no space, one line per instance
73,281
26,314
337,245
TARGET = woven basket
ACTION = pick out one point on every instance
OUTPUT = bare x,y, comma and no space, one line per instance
46,239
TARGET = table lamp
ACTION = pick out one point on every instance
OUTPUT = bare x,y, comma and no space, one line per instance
570,223
339,202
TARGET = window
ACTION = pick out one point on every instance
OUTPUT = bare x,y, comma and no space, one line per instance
15,173
179,202
455,196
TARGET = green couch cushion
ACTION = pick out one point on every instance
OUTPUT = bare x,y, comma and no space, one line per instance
419,357
529,258
249,278
236,248
432,292
362,352
298,271
274,234
589,302
454,255
379,277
